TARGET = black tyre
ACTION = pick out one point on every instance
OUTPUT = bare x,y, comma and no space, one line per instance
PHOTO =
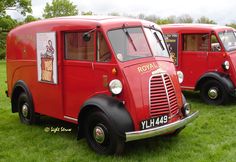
213,92
100,134
26,109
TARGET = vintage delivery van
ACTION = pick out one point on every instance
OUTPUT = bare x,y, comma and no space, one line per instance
111,76
205,55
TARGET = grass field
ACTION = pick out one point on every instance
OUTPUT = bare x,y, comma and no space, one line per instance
212,137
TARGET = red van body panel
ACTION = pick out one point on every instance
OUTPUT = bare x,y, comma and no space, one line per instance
61,87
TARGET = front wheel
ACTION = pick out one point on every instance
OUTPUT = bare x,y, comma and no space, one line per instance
213,92
100,134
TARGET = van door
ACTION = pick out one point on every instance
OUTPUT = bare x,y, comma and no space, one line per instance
215,57
194,58
78,71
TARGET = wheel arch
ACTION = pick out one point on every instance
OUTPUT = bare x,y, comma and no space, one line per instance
113,109
220,77
19,88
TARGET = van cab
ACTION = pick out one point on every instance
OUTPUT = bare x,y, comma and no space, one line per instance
205,56
112,76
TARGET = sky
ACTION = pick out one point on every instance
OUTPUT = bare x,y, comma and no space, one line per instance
223,12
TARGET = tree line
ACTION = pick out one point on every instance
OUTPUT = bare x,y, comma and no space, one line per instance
58,8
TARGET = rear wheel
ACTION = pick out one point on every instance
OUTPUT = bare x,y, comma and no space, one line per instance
100,134
26,110
213,92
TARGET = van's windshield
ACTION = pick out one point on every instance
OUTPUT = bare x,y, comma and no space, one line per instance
157,42
131,43
228,39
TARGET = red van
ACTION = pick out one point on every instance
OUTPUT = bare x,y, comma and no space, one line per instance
205,56
111,76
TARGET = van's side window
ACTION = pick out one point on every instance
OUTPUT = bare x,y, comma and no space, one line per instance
76,48
196,42
103,52
215,45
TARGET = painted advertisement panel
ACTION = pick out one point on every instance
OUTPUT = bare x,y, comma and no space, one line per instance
172,43
47,57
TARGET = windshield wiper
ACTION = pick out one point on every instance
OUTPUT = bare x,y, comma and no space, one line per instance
129,37
159,41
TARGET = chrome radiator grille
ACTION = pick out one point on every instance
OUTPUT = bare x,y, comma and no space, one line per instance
162,98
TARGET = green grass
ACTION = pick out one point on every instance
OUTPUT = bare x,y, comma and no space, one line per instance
212,137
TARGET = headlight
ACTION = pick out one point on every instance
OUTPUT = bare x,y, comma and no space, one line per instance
180,76
186,109
225,65
115,86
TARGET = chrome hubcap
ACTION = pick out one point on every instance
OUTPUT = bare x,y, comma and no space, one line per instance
25,110
213,93
99,134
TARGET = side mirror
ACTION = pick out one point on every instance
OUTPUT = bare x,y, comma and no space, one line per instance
86,37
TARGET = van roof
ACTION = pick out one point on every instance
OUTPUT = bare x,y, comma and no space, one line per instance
70,21
195,26
95,19
92,18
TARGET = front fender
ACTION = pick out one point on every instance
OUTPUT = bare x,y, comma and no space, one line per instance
114,109
221,77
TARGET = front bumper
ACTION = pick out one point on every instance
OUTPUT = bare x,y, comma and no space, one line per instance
136,135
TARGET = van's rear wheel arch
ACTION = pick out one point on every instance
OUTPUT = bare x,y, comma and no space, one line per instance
14,99
19,88
22,99
26,109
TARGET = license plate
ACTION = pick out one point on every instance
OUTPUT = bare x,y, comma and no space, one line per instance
154,122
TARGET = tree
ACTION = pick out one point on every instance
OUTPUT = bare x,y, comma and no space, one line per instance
3,36
152,18
168,20
21,6
185,19
7,23
129,15
172,19
87,13
162,21
114,14
205,20
141,16
60,8
233,25
30,18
